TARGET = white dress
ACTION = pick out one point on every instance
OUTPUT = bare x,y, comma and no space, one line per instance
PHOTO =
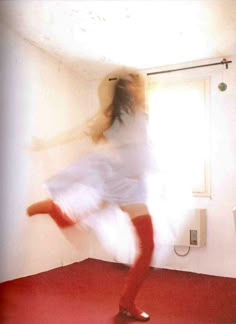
115,173
124,171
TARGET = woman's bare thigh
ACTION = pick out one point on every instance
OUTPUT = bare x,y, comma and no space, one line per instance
135,210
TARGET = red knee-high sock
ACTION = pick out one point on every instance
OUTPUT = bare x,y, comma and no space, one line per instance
61,218
40,207
137,272
49,207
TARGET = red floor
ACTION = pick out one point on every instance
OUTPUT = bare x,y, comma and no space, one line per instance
88,293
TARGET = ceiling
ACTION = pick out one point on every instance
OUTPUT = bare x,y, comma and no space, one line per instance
93,37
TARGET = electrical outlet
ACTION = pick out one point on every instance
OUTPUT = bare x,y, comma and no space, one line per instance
193,237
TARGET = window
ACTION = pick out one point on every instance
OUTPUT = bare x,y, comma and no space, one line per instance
179,123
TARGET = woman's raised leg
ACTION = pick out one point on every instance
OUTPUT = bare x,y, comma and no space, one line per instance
48,206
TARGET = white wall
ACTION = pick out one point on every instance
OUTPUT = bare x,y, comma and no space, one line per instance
41,98
218,257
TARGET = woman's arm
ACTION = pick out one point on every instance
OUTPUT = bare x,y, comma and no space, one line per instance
60,139
93,128
65,137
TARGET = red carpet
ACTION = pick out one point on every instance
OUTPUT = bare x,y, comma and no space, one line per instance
88,293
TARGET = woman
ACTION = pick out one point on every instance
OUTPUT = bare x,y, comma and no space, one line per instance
114,174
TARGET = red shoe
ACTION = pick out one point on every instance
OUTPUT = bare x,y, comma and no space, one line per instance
134,312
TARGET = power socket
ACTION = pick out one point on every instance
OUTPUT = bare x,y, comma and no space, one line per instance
193,237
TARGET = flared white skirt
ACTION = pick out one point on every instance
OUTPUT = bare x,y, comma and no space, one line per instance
114,175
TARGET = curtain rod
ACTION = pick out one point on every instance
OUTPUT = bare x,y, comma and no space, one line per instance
224,61
192,67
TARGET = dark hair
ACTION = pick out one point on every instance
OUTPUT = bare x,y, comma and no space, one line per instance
125,99
122,101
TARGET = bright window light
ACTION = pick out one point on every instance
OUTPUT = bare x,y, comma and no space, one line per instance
179,126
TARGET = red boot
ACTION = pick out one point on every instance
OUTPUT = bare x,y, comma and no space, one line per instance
49,207
137,272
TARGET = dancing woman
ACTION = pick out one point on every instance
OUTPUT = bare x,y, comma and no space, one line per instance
115,174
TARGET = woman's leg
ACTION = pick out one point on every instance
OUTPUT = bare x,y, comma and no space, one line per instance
40,207
48,206
143,225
